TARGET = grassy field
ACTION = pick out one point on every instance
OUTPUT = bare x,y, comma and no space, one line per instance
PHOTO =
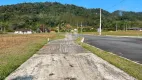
16,49
129,67
118,33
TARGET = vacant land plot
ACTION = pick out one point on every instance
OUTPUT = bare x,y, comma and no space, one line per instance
15,49
118,33
65,60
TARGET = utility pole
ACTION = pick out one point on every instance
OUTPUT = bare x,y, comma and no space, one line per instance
126,26
81,27
58,28
77,27
4,30
116,26
100,30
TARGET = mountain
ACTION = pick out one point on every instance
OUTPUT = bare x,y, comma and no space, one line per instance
53,14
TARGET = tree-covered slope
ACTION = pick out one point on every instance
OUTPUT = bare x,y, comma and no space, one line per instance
32,15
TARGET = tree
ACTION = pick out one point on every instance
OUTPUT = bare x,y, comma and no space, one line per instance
28,15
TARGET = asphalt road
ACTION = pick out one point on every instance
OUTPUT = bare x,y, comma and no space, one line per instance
130,48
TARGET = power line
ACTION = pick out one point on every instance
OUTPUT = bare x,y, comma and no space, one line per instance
116,4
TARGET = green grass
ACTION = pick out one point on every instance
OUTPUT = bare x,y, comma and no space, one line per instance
11,58
15,60
118,33
128,66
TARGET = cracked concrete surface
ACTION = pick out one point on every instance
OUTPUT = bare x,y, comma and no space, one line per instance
65,60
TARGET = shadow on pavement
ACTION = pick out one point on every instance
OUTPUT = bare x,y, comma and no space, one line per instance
23,78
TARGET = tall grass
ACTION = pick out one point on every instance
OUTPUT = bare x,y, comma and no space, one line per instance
16,49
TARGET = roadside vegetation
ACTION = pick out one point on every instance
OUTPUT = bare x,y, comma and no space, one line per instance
16,49
128,66
118,33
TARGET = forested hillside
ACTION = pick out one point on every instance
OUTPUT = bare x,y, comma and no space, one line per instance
51,15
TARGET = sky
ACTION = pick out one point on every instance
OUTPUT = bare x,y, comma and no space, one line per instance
109,5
